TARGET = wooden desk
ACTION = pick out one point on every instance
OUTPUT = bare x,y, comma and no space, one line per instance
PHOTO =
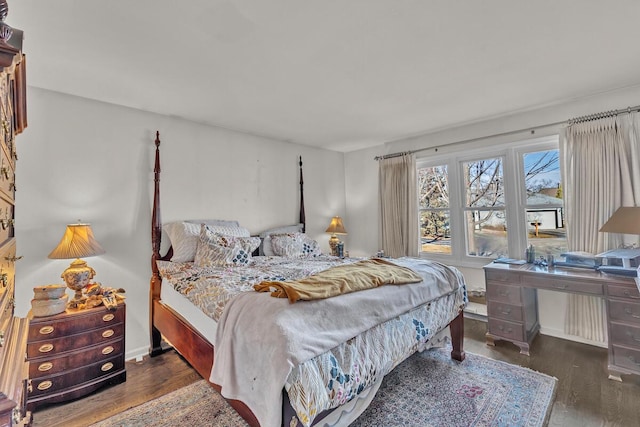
512,307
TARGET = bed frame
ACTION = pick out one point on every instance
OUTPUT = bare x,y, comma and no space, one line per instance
166,324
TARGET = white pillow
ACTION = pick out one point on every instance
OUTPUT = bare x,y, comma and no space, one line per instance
265,246
184,237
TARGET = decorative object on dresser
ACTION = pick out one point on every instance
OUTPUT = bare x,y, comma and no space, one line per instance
77,241
74,353
48,300
512,307
13,330
336,227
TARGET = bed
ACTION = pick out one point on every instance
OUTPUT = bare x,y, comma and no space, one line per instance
283,363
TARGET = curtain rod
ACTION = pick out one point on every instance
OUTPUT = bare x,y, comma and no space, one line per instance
576,120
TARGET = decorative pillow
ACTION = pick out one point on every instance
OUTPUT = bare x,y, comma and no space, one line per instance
265,246
294,245
215,249
184,237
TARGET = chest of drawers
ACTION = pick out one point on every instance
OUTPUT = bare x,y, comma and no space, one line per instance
74,353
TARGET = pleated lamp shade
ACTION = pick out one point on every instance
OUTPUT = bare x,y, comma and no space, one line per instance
77,242
626,220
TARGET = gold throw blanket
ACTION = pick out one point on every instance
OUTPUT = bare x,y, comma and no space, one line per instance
342,279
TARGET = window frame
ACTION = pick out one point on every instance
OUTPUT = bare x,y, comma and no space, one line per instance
514,192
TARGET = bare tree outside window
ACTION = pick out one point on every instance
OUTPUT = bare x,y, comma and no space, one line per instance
435,232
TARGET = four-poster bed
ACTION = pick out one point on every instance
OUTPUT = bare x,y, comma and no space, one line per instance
196,344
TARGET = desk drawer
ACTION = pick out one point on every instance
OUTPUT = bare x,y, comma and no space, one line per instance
504,293
505,329
624,311
623,291
625,334
626,358
503,276
505,311
542,281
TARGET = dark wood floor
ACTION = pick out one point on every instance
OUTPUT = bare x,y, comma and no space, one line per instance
585,397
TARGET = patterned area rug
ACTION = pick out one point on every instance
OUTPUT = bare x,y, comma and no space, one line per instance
428,389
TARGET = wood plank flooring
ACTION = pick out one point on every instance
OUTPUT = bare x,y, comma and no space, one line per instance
585,397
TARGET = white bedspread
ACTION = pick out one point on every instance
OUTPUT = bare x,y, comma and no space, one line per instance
260,338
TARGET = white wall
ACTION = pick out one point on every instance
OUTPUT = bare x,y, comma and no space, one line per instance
81,159
361,176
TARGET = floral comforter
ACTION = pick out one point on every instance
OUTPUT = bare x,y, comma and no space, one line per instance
337,373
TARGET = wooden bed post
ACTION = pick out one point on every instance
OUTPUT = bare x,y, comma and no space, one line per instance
302,215
457,337
156,235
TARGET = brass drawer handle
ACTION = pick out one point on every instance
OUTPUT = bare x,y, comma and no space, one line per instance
509,330
106,367
108,317
506,312
46,330
44,385
630,313
45,348
44,367
108,333
107,350
560,286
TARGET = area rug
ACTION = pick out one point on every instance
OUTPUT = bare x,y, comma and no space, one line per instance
428,389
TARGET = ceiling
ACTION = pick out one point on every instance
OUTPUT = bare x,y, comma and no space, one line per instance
342,75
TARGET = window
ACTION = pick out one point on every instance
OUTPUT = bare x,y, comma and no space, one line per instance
485,219
435,236
491,202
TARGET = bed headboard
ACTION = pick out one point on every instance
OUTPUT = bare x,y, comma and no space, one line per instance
156,239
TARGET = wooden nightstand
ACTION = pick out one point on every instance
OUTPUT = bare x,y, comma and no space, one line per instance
74,353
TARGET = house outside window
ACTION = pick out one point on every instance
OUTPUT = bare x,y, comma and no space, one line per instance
496,201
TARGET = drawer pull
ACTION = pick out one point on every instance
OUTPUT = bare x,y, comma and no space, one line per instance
560,286
633,360
108,333
106,367
636,339
503,293
509,330
45,348
44,367
46,330
44,385
506,312
108,317
628,294
107,350
630,313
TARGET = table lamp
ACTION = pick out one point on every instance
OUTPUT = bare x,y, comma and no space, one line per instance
77,241
336,227
626,220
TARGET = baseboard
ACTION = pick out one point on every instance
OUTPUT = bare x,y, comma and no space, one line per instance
561,334
136,354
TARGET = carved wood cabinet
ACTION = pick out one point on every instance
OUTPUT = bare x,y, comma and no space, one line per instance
13,330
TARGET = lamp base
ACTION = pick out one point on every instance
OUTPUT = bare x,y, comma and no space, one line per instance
333,244
77,277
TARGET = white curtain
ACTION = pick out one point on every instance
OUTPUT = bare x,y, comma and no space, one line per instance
398,190
600,164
